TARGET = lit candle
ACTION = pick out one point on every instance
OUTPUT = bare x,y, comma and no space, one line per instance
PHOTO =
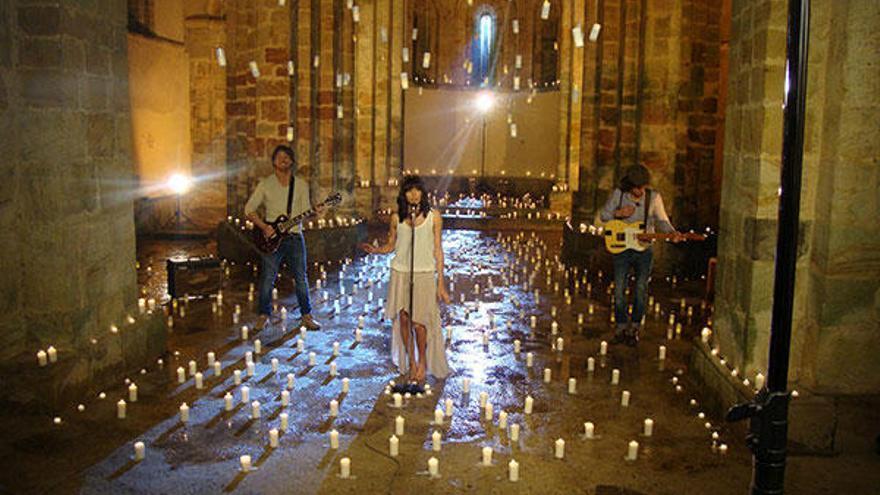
244,332
433,467
615,376
285,398
120,409
398,425
273,438
255,409
300,345
52,353
560,448
466,386
132,393
139,451
258,346
245,394
274,364
530,359
284,422
502,420
41,357
218,368
184,413
358,335
603,348
332,369
236,377
624,398
334,408
181,375
251,368
200,380
759,381
530,402
554,328
227,399
514,432
591,364
345,385
336,348
516,346
722,449
245,463
398,400
589,430
513,470
572,385
438,416
449,407
649,427
489,412
393,446
534,321
312,358
487,456
334,439
661,353
344,467
633,451
435,441
211,359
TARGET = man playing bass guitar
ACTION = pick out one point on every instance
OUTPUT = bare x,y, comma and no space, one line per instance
274,194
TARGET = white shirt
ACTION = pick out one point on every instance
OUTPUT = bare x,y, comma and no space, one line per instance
656,212
272,196
424,259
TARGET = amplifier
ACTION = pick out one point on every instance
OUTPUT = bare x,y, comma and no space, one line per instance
198,276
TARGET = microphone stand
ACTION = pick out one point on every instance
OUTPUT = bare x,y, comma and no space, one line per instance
413,211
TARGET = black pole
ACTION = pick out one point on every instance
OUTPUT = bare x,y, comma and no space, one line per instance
412,261
769,410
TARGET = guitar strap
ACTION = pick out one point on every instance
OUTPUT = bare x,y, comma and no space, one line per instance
290,192
647,202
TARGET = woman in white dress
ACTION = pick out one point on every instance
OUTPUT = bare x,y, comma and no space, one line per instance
417,343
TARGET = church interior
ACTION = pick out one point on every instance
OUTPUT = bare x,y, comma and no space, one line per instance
148,348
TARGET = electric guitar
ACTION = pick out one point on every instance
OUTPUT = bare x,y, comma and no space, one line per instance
620,236
282,226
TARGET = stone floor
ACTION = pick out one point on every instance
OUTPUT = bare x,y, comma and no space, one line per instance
91,451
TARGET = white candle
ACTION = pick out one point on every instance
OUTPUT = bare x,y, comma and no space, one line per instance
345,385
487,456
398,425
218,368
300,345
529,404
449,407
502,420
139,451
211,359
284,422
589,430
435,441
547,375
560,448
554,328
181,375
615,376
649,427
624,398
489,411
312,358
244,332
661,353
485,338
251,368
193,367
227,399
530,359
513,470
438,416
633,451
603,348
358,335
334,439
332,369
516,346
41,357
120,409
200,380
52,353
245,461
433,466
393,446
722,449
273,438
336,348
534,321
514,432
591,364
759,381
572,385
285,398
344,467
290,381
184,413
255,409
704,334
132,393
484,398
398,400
274,364
466,386
245,394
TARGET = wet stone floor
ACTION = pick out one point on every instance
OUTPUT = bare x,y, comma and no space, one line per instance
500,283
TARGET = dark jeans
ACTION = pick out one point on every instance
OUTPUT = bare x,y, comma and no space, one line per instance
292,250
641,262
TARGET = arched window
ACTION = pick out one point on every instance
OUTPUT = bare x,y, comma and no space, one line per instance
485,49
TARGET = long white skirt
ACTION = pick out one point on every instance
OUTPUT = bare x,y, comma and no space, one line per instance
425,311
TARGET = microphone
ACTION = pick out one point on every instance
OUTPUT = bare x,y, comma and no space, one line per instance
413,210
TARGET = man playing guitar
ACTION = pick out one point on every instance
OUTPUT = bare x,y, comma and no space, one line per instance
634,203
273,193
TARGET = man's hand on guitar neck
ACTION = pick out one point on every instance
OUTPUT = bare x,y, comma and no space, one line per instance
677,236
268,231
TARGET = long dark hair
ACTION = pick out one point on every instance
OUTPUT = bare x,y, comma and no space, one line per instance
411,182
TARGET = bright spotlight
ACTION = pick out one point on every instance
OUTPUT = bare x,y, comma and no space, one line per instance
485,101
179,183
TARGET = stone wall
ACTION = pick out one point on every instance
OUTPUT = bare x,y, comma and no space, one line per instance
67,250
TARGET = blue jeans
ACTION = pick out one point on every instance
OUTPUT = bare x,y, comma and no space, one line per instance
641,262
292,250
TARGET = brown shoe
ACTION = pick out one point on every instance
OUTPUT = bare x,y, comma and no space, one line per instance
309,322
262,321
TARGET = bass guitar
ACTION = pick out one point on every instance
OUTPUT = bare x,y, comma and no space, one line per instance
282,226
620,236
